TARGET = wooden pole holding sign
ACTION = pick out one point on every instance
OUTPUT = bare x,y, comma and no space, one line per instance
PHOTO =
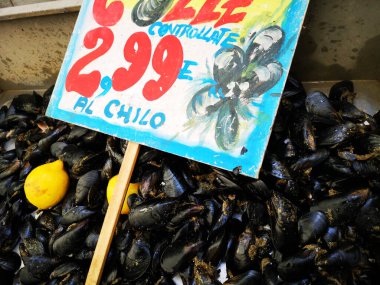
114,208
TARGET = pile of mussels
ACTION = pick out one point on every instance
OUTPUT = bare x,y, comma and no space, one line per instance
312,217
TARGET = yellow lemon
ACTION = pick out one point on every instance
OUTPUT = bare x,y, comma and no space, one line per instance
133,188
46,185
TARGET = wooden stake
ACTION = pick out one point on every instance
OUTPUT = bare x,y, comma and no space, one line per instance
110,220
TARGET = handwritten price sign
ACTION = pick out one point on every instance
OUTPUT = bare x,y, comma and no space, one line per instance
197,78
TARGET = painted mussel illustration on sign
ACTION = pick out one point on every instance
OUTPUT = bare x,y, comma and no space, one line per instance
146,12
239,78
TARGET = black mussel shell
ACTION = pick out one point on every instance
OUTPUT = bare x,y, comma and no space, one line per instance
154,213
297,266
26,277
251,277
368,168
332,237
277,168
339,208
184,213
28,103
174,182
338,134
57,148
241,259
320,109
337,167
216,248
258,189
76,134
10,262
257,214
312,226
211,211
176,256
342,257
76,214
85,184
302,132
27,228
71,240
342,91
368,219
311,160
269,272
150,181
31,246
283,215
64,269
137,260
41,266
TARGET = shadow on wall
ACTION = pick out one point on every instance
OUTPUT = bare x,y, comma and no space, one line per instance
306,68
